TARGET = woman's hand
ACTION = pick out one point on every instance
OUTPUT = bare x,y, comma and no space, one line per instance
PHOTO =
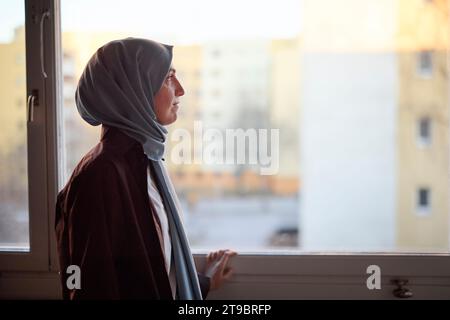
216,267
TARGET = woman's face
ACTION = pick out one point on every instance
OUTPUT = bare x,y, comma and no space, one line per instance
167,99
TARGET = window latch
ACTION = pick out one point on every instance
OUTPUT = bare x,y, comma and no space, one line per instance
33,101
401,292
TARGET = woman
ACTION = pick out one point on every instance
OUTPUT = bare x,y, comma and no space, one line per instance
117,218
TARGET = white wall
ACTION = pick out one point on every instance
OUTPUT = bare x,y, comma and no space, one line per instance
348,143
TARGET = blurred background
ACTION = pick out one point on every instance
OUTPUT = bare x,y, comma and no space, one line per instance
359,90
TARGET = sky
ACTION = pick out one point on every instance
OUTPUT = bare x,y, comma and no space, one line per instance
12,14
191,21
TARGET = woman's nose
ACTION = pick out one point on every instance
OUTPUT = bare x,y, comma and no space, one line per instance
180,90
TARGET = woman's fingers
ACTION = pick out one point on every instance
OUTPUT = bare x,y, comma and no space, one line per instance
210,257
228,273
224,261
217,266
220,258
227,270
215,255
221,253
231,253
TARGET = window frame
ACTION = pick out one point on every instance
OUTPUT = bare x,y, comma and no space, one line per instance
258,275
332,275
40,140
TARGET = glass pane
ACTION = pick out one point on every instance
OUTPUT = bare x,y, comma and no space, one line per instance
14,219
371,70
345,83
224,205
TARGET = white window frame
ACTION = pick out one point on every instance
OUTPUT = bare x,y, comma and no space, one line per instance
27,274
261,275
40,147
332,275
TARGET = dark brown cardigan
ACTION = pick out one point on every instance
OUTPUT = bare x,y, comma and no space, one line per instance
104,225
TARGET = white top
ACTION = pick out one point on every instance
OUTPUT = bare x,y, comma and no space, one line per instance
157,202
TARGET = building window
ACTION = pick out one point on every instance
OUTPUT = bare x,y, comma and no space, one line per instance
425,63
424,132
423,201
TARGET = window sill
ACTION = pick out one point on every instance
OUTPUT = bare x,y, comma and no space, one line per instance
288,276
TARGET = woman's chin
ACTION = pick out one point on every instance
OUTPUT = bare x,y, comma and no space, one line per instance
170,119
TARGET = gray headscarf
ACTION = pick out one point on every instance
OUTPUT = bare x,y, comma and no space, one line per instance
117,89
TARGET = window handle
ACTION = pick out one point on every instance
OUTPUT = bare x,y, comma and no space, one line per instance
44,16
33,101
401,292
